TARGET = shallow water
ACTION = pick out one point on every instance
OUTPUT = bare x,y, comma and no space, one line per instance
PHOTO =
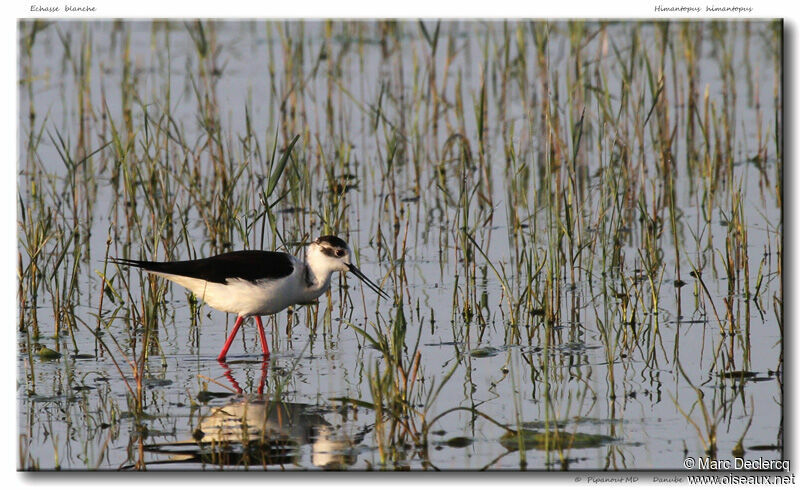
617,374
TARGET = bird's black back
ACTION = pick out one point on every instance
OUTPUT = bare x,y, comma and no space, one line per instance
250,265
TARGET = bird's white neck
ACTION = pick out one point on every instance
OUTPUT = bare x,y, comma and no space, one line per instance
318,272
317,279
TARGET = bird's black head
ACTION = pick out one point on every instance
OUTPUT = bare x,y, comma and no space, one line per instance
332,241
333,246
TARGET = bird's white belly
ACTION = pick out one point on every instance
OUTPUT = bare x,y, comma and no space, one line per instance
246,298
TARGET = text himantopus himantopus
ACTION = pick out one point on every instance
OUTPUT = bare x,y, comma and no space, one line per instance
255,283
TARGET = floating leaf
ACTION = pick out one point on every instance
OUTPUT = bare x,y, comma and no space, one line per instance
765,447
359,403
738,374
205,396
484,352
533,439
153,383
459,442
48,354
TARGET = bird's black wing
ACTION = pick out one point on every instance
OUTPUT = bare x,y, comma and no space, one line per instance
250,265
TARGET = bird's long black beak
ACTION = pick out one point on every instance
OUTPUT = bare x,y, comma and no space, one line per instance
369,283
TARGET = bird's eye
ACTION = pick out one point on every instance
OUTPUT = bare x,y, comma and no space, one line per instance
340,253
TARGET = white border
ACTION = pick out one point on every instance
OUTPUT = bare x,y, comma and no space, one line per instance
333,9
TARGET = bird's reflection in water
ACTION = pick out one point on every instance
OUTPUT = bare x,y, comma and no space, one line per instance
229,376
255,430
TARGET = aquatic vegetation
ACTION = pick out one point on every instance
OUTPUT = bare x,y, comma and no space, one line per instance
579,224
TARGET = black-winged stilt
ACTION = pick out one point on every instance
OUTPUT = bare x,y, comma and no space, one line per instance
255,283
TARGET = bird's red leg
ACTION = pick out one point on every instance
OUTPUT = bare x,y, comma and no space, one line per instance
228,342
264,347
